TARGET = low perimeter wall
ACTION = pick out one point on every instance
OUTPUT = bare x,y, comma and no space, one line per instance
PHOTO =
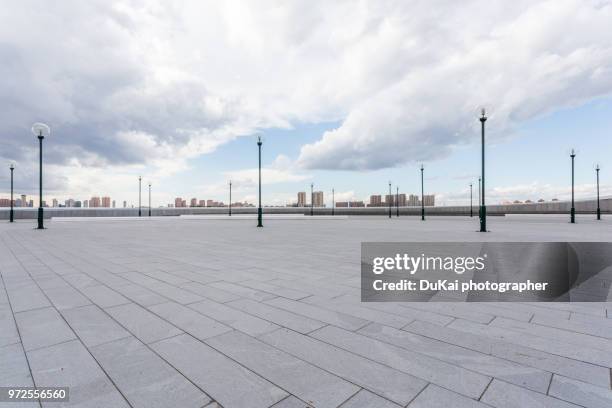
557,207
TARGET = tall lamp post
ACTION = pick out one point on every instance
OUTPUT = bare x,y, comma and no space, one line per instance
333,201
573,209
422,195
471,211
390,199
139,196
11,215
230,198
40,130
397,201
259,210
149,198
596,170
311,199
483,207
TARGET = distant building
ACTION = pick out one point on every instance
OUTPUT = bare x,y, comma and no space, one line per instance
77,204
317,198
401,198
24,201
301,199
178,202
85,203
193,202
375,201
124,204
430,200
541,200
5,202
356,204
389,199
54,203
414,200
69,202
202,203
114,203
95,202
106,202
342,204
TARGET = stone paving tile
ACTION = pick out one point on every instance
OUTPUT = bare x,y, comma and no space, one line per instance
80,280
528,377
26,295
8,330
409,314
190,321
140,295
42,328
504,395
437,397
602,329
93,326
300,324
104,296
307,382
66,297
328,316
243,291
291,402
143,324
178,295
380,379
452,377
223,379
209,292
274,289
14,370
365,399
580,393
237,319
593,374
70,365
144,378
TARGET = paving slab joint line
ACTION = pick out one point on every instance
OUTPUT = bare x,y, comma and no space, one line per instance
489,384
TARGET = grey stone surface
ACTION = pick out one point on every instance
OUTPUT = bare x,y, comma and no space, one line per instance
309,383
380,379
42,328
189,320
143,324
230,285
365,399
204,366
144,378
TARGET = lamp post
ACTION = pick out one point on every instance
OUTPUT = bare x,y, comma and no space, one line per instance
311,199
333,202
230,198
139,196
397,201
422,195
479,214
11,214
598,209
471,211
40,130
259,210
390,199
483,207
149,198
573,209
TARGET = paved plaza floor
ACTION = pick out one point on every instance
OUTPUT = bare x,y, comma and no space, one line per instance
191,313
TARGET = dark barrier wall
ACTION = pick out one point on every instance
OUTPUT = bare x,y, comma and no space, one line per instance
557,207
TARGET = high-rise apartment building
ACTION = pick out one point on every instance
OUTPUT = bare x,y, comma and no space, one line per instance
202,203
301,199
95,202
54,203
317,198
429,200
401,200
193,202
413,200
389,200
85,203
124,204
178,202
24,201
106,202
375,201
69,202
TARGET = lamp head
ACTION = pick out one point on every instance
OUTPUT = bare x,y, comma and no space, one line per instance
597,167
41,130
12,166
259,142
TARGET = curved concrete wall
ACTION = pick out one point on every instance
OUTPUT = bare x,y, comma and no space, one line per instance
558,207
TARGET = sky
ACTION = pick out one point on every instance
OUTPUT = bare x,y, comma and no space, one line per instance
346,95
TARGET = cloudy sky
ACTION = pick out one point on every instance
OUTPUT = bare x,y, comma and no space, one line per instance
345,94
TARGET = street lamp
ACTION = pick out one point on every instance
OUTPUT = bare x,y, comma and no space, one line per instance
40,130
390,199
397,200
479,213
598,209
149,198
11,216
422,195
333,201
259,210
139,196
230,198
471,211
573,209
311,199
483,207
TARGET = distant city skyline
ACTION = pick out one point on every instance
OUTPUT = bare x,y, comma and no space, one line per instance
344,96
